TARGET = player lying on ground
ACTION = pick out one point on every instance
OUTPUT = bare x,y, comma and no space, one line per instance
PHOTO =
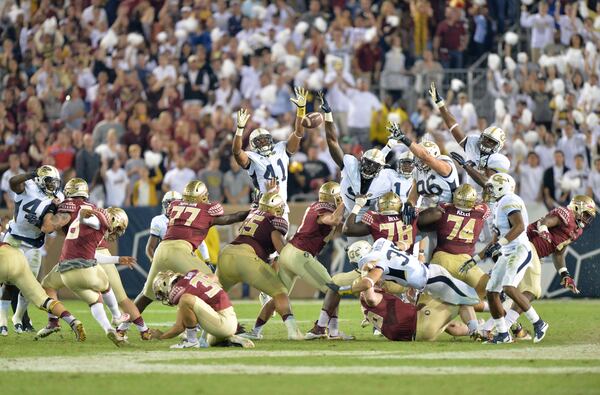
200,300
14,269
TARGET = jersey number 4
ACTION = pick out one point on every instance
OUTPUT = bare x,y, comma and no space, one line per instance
29,209
270,173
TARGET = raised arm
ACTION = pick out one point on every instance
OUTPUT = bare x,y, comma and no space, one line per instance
330,133
231,218
17,183
469,166
447,116
236,148
428,218
300,101
351,228
332,219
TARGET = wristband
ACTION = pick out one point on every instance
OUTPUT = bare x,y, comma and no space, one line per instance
328,117
239,131
503,241
564,272
301,112
356,209
542,228
440,103
453,127
406,141
476,259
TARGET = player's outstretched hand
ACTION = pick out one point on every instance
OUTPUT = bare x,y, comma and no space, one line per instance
465,267
272,185
462,162
324,104
301,94
155,334
493,250
242,118
435,95
86,212
408,213
128,261
568,283
361,200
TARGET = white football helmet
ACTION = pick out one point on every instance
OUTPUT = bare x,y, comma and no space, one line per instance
433,150
358,250
168,198
492,140
405,164
261,142
48,179
497,186
371,163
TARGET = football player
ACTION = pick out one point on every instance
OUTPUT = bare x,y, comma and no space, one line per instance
36,197
158,228
76,192
320,224
14,269
267,161
78,262
245,259
402,183
513,252
189,221
200,300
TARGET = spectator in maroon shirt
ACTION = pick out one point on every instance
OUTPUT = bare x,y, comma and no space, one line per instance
368,60
62,151
450,40
136,134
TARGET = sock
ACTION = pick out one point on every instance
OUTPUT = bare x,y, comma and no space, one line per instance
511,317
124,327
489,325
139,324
532,315
21,309
52,317
472,325
333,326
258,325
66,316
323,319
501,326
100,316
191,334
486,306
290,323
111,302
4,310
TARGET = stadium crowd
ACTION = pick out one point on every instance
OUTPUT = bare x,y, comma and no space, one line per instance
137,97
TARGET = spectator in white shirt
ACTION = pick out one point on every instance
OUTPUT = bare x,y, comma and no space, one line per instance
531,175
363,104
337,82
165,72
575,181
542,29
568,23
116,183
13,170
227,95
94,14
593,187
312,72
178,177
546,151
571,144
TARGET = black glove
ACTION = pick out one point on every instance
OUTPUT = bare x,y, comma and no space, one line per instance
397,134
324,105
408,213
462,162
493,250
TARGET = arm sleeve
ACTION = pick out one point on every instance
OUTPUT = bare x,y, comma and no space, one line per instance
204,251
367,218
104,259
280,225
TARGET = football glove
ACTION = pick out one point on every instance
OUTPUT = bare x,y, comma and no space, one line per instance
242,118
300,99
543,232
324,104
568,282
408,213
397,134
462,162
435,95
361,201
465,267
493,250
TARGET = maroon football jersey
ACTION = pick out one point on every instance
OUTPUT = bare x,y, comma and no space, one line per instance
395,319
191,221
256,232
72,206
81,240
561,235
390,227
312,236
458,231
201,286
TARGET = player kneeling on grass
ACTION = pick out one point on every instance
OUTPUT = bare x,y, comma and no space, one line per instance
200,300
14,269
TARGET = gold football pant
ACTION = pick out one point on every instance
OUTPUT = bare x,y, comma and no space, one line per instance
453,262
14,269
433,318
219,325
175,255
86,283
296,263
239,263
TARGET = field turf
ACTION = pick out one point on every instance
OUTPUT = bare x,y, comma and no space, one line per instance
566,362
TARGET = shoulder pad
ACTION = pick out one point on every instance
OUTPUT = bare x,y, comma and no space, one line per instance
323,207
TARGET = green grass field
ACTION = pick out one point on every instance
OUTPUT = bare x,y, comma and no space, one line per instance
566,362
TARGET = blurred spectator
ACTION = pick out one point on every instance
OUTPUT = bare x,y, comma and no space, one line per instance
390,112
337,81
542,28
530,176
72,112
572,144
427,70
546,150
135,164
421,12
363,104
314,171
593,187
236,184
87,161
368,60
110,122
393,75
115,182
13,170
553,195
38,148
62,151
451,40
111,149
178,177
144,192
212,177
575,181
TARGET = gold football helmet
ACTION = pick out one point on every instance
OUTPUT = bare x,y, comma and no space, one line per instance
464,197
389,204
584,209
162,285
48,179
195,192
76,187
118,221
491,140
271,202
330,192
168,198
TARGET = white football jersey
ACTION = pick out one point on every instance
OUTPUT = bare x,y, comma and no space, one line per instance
263,168
158,226
472,150
351,180
401,185
30,208
507,205
397,265
433,187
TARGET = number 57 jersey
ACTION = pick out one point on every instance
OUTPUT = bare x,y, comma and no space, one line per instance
191,221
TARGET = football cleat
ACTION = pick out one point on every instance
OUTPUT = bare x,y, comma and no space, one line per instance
238,341
540,328
118,321
185,344
3,330
500,338
376,332
123,334
252,335
117,339
364,323
145,335
19,328
79,330
317,332
27,327
295,335
51,328
341,336
520,333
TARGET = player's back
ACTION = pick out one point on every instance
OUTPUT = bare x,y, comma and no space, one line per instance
458,230
506,206
395,319
201,286
398,266
312,236
72,206
81,240
561,235
256,232
191,221
390,227
30,208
